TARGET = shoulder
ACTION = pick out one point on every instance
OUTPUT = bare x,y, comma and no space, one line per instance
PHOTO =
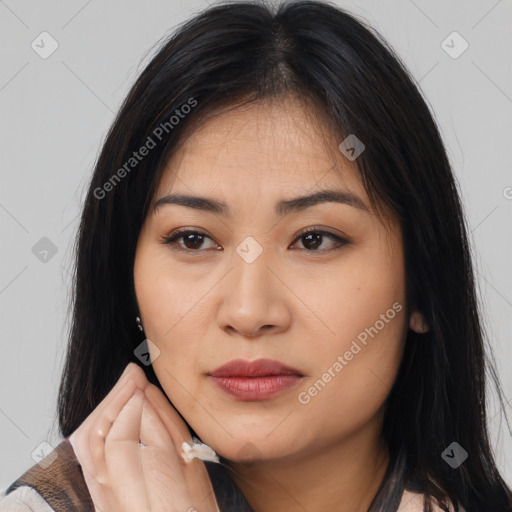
55,483
413,502
23,499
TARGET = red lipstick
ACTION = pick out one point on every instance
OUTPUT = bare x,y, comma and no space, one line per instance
253,381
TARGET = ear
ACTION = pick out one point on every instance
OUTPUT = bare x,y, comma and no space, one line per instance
417,323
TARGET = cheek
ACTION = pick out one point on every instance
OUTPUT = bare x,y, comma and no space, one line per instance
356,363
174,319
176,324
351,296
352,375
168,299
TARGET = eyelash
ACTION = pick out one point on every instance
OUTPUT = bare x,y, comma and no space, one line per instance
172,240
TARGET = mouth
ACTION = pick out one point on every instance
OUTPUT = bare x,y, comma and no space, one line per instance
254,381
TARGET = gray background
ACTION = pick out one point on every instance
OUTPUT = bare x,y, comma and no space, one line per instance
56,111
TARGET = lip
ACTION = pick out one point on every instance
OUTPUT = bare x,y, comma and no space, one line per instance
257,380
257,368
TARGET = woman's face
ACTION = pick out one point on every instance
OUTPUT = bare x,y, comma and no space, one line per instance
250,285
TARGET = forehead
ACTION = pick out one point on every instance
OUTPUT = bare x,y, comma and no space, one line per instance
264,147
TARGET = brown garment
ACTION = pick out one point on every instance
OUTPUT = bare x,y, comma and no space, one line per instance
63,487
61,484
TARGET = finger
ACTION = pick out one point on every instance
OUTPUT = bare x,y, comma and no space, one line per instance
172,421
134,379
133,373
88,440
105,414
161,465
101,496
130,373
100,430
122,456
192,477
153,432
89,448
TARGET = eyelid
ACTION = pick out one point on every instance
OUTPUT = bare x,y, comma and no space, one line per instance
179,233
340,239
322,230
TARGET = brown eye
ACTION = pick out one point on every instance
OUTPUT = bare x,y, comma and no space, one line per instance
313,239
192,240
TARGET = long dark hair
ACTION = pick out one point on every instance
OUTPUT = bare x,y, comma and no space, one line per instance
239,52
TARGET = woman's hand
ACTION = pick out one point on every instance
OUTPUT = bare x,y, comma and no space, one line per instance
123,476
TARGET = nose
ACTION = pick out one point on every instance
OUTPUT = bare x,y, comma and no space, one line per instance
255,299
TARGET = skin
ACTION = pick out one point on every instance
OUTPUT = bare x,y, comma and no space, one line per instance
122,475
204,306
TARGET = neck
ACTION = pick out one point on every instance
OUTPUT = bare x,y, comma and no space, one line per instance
344,477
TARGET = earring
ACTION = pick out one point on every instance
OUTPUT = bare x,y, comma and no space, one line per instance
417,323
139,324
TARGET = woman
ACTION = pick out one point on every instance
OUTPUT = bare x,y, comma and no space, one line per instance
273,224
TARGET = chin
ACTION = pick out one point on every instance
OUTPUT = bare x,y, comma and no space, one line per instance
250,447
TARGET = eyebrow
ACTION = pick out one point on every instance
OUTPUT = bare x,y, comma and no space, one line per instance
282,208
